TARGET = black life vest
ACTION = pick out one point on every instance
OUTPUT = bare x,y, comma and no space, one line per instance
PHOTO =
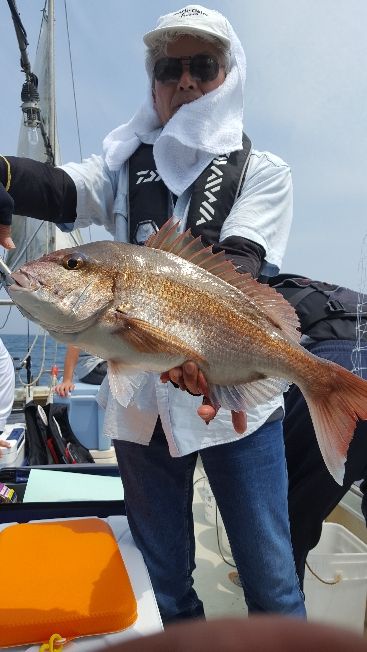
325,311
150,203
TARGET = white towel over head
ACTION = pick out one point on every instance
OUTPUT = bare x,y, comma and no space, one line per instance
196,133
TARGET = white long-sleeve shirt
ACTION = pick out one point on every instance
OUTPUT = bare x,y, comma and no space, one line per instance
262,213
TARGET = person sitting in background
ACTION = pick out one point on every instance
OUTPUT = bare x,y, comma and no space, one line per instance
7,387
87,368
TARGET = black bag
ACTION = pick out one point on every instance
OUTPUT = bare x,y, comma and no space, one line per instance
325,311
49,437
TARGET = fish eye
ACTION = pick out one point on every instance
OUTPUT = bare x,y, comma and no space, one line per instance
73,261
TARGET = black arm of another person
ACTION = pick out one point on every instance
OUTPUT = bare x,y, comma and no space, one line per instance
37,190
6,206
246,255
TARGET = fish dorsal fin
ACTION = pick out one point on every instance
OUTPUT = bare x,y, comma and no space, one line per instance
278,310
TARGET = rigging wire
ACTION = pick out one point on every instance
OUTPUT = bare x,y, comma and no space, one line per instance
6,318
74,91
73,81
44,14
360,343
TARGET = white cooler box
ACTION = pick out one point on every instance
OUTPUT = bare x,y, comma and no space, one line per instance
86,416
13,456
340,558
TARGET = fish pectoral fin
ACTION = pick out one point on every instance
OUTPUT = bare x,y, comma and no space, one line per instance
243,397
124,384
146,338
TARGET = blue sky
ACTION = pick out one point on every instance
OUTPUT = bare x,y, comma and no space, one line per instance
306,101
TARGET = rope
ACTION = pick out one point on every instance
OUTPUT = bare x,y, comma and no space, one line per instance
337,579
233,576
56,642
42,368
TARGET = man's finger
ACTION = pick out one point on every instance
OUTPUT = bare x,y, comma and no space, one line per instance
239,421
207,412
202,384
194,379
190,376
175,376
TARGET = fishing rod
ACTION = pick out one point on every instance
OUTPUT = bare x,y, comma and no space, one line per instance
5,272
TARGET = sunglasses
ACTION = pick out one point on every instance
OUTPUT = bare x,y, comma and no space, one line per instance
202,68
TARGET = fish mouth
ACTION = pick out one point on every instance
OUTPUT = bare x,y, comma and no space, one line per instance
23,281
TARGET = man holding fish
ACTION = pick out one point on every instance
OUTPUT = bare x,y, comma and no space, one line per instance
150,309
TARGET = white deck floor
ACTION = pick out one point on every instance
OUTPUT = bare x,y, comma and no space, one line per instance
221,597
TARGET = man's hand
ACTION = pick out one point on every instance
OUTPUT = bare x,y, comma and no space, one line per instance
5,237
190,377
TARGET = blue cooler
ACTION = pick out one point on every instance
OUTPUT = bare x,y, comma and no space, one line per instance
86,416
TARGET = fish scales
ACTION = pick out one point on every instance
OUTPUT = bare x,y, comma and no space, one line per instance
198,306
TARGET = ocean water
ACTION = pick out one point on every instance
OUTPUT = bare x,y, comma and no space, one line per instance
45,353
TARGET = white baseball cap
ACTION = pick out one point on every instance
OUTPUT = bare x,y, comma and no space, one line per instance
193,19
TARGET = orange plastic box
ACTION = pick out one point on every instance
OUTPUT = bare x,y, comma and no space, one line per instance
69,579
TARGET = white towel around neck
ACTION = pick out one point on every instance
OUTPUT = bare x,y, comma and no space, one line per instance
198,131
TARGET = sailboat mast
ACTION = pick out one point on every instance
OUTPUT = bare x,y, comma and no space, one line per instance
51,67
51,111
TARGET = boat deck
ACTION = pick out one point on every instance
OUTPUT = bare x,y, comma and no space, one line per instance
215,573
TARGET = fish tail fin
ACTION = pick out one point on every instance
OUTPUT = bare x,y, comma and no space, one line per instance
335,412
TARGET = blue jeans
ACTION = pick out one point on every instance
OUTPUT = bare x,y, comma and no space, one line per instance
249,481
